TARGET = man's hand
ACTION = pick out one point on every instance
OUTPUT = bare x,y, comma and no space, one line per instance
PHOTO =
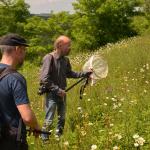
61,93
28,116
88,73
36,134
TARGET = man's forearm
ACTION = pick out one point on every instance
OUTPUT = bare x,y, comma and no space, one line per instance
28,116
73,74
33,123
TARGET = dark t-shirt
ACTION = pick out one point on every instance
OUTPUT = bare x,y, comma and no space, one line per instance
13,92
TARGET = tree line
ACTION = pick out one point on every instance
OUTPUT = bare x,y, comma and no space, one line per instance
93,24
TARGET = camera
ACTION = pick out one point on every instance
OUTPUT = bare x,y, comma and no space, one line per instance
42,90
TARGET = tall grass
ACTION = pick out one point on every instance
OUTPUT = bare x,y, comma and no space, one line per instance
114,114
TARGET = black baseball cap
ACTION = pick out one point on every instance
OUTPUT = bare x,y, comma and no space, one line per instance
13,40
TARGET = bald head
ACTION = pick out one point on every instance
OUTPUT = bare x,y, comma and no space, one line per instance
61,40
62,44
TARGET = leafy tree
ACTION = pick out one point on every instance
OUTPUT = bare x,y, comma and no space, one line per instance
101,21
147,6
60,24
13,13
42,33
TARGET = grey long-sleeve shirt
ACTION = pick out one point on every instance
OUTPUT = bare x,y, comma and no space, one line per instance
55,71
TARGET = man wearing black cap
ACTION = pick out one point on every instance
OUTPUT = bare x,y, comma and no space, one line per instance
15,111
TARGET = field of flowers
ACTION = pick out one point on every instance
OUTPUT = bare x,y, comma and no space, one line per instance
114,114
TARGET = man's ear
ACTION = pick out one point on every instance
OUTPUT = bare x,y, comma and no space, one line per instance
60,44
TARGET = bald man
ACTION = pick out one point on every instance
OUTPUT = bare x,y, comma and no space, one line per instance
55,69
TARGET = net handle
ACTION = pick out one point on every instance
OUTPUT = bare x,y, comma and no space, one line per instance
69,88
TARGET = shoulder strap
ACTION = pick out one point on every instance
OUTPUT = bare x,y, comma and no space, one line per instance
52,57
5,71
52,61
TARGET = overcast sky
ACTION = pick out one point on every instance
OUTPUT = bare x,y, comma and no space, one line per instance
46,6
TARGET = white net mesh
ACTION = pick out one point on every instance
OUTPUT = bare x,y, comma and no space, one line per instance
99,67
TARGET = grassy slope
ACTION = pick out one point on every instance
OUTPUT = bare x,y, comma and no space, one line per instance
116,107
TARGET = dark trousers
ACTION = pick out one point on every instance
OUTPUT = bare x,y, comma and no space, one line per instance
9,144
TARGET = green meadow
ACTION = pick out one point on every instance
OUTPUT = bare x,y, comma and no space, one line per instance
114,114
